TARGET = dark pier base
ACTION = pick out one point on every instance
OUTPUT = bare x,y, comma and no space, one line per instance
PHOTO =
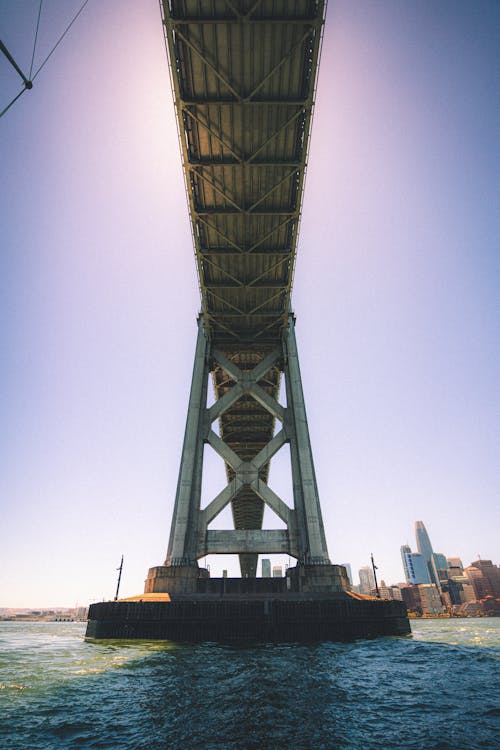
251,617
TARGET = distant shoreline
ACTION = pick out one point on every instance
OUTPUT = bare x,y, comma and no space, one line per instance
411,616
481,616
43,619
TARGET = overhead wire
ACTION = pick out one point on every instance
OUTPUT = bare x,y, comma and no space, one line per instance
12,102
36,37
28,81
56,45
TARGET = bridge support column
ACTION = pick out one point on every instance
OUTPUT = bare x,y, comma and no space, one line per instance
180,571
314,572
313,546
190,535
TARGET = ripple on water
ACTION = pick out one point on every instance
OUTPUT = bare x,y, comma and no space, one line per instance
435,690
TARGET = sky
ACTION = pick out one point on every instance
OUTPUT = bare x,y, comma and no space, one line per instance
396,293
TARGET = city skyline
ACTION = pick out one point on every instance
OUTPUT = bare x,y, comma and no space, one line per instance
395,294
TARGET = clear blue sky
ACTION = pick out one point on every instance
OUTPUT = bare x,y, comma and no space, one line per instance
396,293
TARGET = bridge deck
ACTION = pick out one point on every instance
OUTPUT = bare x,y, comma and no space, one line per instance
244,94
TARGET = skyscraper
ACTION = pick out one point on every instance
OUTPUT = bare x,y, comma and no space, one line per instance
405,549
440,566
415,567
366,580
266,568
424,546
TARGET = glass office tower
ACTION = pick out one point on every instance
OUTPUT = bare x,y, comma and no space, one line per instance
424,546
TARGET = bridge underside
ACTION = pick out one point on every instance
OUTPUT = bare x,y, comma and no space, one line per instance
243,76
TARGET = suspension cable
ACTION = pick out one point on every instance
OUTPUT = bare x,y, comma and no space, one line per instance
36,37
12,102
60,39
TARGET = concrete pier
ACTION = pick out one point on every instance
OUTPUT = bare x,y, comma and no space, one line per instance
254,610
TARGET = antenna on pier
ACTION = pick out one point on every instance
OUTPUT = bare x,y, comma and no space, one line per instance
119,578
375,576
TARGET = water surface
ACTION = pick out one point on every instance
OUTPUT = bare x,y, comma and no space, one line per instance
435,690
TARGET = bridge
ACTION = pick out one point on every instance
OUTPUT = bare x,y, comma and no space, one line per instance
243,76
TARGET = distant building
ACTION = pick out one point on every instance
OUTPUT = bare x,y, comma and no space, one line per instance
396,593
487,608
454,562
347,566
440,566
387,592
266,568
277,571
482,575
491,573
411,598
424,546
479,583
430,599
468,593
405,550
366,580
384,590
423,599
415,567
458,590
454,571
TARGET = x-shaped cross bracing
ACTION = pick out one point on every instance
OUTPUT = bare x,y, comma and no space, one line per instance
257,244
246,472
239,159
190,537
225,80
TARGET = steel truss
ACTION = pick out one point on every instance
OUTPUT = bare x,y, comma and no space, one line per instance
190,536
243,76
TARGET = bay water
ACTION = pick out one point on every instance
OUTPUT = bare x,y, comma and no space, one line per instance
437,689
